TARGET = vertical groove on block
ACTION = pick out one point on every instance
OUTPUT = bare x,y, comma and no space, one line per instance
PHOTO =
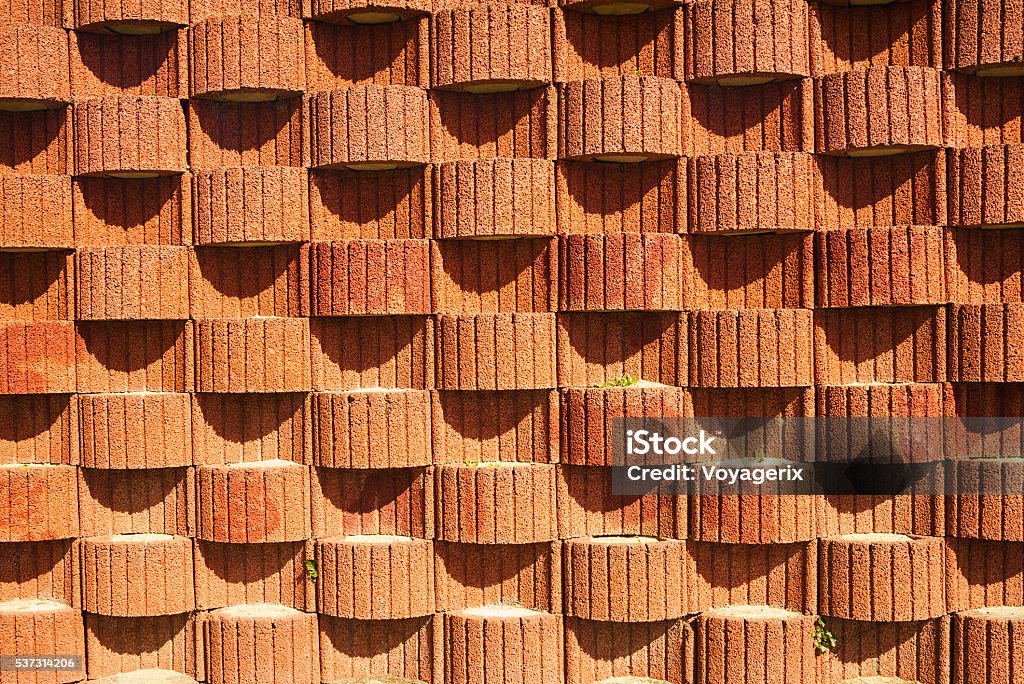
35,211
984,343
390,429
137,574
490,198
629,272
144,430
38,358
366,277
252,355
132,283
250,205
252,503
496,351
39,501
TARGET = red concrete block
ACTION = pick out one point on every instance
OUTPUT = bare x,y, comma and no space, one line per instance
984,344
36,142
625,119
754,644
589,45
775,117
988,646
342,56
588,417
34,62
389,429
984,187
605,272
756,348
375,577
983,37
878,111
492,276
123,212
779,575
201,10
35,211
394,651
245,134
111,65
369,128
37,286
366,277
252,355
508,351
622,198
846,38
749,272
586,506
907,514
240,60
253,503
264,643
42,627
507,644
881,267
858,571
46,13
983,573
238,428
129,17
495,426
595,348
754,191
875,345
762,517
398,501
38,358
46,570
387,352
129,137
517,124
599,569
230,574
385,205
491,48
491,198
984,266
132,283
130,650
134,431
137,574
231,282
473,575
365,12
627,652
157,500
250,205
982,111
986,400
496,503
134,356
900,190
39,429
41,502
977,515
746,43
897,652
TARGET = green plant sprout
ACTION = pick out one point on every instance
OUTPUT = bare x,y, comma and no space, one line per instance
824,640
624,380
311,570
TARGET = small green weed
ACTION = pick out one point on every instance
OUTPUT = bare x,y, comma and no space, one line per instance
311,570
624,380
824,641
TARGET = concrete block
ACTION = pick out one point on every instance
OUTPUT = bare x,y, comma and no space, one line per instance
136,430
40,500
129,136
370,277
132,575
474,575
34,63
252,355
509,351
237,59
387,352
132,283
398,501
250,205
492,198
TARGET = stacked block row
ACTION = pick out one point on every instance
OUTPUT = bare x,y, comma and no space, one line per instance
317,317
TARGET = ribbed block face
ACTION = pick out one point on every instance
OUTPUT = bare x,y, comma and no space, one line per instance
400,650
365,12
35,211
586,506
778,575
130,16
511,644
629,272
372,429
591,45
250,205
489,426
160,646
888,651
104,65
233,134
35,68
983,37
474,575
234,58
145,501
517,124
490,198
130,212
776,645
627,652
257,502
982,573
132,283
493,276
981,516
373,352
37,285
240,428
47,569
136,575
763,517
39,429
340,56
512,351
397,501
134,356
982,340
384,205
136,431
129,137
747,42
36,142
238,283
979,175
366,277
260,643
38,358
252,355
40,501
231,574
43,626
777,117
987,645
749,272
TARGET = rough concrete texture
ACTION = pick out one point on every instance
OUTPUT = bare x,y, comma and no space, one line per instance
491,198
630,117
129,135
370,125
368,277
34,63
235,57
761,41
344,297
491,47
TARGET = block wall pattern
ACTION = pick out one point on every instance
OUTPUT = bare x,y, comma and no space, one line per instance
309,312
